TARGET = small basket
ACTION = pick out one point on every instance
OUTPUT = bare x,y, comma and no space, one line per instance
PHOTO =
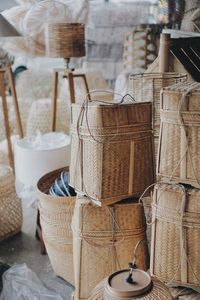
10,206
55,216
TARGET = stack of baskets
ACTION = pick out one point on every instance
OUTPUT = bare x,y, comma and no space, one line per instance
111,160
176,206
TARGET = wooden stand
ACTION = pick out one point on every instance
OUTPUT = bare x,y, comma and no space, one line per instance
3,72
70,75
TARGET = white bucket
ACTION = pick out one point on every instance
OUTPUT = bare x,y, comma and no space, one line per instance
32,163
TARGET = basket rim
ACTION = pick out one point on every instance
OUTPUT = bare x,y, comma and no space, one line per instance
48,175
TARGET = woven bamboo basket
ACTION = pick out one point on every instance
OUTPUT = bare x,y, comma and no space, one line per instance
147,87
182,293
111,150
103,241
39,117
10,206
158,292
65,40
175,235
179,142
55,217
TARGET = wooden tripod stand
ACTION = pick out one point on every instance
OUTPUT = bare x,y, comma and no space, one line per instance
3,72
70,75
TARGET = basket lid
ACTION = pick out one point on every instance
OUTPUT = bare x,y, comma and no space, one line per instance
117,284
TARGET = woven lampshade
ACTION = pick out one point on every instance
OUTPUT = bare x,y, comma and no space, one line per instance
65,40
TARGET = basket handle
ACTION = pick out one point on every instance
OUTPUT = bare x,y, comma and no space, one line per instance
108,92
133,264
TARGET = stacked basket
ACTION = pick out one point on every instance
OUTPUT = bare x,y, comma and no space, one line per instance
111,160
176,205
147,87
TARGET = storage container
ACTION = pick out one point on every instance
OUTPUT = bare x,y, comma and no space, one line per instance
147,87
179,144
55,217
103,241
115,287
10,205
175,235
111,150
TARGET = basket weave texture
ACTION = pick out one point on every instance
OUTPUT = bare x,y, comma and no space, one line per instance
147,87
55,217
10,206
159,291
65,40
103,241
39,117
179,143
175,235
112,153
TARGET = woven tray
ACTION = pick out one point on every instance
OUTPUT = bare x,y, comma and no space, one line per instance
10,206
176,226
55,217
179,143
111,152
103,241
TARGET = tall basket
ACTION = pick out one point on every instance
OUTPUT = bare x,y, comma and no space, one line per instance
147,87
55,216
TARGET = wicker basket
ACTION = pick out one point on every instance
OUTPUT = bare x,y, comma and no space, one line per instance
40,117
159,292
55,217
10,206
147,87
175,235
179,143
103,241
112,153
65,40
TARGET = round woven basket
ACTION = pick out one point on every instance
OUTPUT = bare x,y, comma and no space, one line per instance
40,117
55,216
158,292
65,40
11,209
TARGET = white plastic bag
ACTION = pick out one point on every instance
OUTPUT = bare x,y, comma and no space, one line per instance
19,282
